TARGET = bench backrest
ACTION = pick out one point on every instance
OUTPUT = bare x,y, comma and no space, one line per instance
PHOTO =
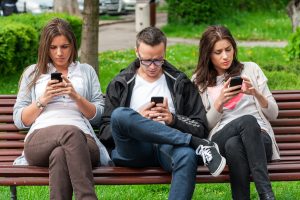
286,127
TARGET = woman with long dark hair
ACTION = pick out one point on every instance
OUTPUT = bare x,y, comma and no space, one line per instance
239,106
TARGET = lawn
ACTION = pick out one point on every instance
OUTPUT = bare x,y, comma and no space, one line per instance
271,25
281,73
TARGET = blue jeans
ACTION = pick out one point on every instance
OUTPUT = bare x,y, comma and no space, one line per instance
247,150
141,142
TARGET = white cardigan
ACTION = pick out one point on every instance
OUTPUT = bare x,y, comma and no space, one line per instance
259,81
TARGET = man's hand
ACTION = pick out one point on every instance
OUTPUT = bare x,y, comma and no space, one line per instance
162,112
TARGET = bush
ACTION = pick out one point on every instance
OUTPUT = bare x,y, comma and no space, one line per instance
19,36
18,47
207,11
293,48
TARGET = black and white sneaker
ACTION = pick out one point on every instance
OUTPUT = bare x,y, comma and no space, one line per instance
212,158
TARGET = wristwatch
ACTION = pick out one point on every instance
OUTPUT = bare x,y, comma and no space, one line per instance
39,104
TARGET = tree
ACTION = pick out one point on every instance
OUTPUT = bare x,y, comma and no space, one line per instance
293,10
66,6
90,29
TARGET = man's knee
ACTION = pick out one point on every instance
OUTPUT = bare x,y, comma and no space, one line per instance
185,156
119,114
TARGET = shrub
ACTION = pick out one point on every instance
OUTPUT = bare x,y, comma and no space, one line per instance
19,36
293,47
18,47
207,11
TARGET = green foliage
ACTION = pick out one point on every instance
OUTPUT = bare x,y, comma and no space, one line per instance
18,45
19,36
293,48
207,11
256,25
190,11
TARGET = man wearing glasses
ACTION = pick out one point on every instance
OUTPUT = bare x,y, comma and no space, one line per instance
165,134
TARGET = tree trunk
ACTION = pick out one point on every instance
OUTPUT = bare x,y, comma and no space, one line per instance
293,10
90,32
66,6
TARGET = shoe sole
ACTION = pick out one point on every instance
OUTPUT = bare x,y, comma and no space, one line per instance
220,168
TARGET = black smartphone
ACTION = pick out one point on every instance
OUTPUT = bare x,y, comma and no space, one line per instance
236,80
56,76
157,100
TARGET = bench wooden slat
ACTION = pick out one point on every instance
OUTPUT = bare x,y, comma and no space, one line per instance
8,127
287,130
12,136
11,144
7,102
6,119
7,158
11,152
287,138
288,105
295,145
6,110
287,97
285,122
288,113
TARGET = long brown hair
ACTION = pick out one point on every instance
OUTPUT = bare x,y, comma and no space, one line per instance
53,28
205,73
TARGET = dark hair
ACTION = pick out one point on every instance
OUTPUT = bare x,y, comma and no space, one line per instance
53,28
205,72
151,36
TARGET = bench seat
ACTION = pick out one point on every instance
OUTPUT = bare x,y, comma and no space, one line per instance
286,128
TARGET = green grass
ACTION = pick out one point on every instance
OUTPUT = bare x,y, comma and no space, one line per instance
281,73
273,25
216,191
109,17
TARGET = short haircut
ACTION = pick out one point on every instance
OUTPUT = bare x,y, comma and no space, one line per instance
151,36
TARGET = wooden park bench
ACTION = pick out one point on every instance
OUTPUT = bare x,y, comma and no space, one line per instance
286,128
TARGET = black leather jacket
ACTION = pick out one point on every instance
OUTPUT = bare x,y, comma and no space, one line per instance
190,114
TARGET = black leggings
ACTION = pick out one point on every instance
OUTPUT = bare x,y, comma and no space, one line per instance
247,149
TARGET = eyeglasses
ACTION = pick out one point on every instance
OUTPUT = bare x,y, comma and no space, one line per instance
148,62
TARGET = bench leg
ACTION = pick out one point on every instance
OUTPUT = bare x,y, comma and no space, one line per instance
13,192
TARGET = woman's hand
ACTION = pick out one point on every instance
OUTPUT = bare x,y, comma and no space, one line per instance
52,90
226,94
55,88
249,89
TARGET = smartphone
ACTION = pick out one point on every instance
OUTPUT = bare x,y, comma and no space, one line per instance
236,80
157,100
56,76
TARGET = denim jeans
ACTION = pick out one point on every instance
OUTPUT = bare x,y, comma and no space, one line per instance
247,150
141,142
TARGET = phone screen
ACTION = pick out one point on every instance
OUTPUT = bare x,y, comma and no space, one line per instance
157,99
236,80
56,76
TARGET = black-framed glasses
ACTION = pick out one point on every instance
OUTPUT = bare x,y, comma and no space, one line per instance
148,62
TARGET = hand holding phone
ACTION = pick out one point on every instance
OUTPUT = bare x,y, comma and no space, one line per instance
56,76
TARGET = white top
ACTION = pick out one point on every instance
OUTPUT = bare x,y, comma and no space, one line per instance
61,110
144,90
236,107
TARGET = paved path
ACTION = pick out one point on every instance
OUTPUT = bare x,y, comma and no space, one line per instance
120,35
